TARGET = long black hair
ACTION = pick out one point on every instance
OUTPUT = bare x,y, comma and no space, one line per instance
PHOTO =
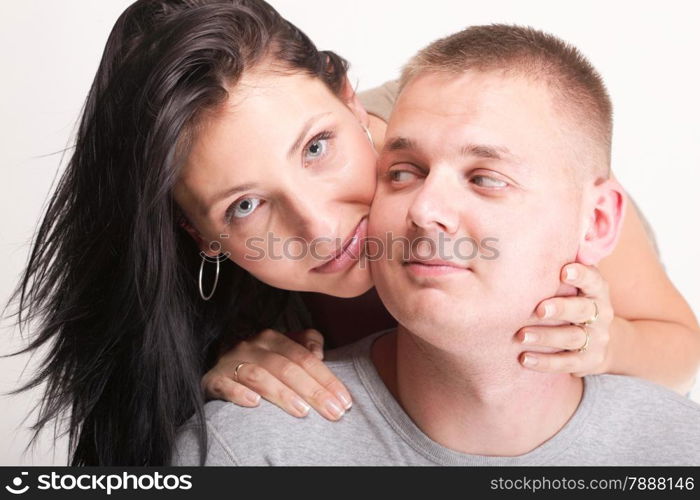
111,280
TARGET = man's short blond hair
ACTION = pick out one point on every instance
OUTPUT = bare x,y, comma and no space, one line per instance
573,81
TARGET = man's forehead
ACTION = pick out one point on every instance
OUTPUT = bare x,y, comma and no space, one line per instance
483,150
499,112
471,91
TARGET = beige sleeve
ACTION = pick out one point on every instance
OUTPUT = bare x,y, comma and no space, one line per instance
379,101
646,224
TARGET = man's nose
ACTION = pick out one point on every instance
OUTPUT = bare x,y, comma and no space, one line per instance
434,205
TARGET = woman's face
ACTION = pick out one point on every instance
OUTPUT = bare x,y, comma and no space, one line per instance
281,178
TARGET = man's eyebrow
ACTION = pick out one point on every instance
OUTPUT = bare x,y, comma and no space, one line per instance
400,144
302,134
488,152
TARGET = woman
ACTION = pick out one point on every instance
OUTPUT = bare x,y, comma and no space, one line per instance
216,126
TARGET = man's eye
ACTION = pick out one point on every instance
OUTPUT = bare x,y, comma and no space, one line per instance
243,208
401,175
488,182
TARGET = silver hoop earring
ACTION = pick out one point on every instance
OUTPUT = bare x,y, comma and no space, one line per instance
369,135
216,278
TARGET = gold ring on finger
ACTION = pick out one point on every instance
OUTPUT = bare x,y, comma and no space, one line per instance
238,367
593,318
584,347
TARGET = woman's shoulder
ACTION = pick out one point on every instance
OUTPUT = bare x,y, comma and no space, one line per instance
379,101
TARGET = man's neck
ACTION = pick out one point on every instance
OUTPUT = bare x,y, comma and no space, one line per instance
481,404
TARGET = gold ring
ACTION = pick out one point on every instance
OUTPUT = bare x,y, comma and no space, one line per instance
593,318
584,347
238,367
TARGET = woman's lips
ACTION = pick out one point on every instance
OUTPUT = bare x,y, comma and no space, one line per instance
348,254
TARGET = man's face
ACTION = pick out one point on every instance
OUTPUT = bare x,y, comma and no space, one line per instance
481,160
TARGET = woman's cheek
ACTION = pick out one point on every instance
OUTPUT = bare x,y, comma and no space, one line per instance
279,271
364,172
388,213
250,255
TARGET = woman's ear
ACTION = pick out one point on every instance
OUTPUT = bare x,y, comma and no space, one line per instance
196,236
604,223
349,97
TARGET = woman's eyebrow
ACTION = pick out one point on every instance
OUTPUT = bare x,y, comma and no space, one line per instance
221,195
302,134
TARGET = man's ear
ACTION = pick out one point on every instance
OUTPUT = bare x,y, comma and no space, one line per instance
196,236
349,97
604,223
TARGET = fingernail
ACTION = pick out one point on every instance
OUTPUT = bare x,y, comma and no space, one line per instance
530,338
529,360
252,397
315,349
347,403
334,409
548,310
301,406
571,273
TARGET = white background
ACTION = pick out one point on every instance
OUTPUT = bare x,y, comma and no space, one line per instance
646,51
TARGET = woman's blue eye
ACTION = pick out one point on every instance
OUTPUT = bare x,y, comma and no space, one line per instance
316,148
245,207
488,182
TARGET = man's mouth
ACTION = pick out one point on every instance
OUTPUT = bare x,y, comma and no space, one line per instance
434,267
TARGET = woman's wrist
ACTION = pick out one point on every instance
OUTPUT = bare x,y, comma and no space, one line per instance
660,351
620,345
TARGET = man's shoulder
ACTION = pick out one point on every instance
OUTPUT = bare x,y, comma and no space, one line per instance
628,421
230,418
640,393
221,414
235,435
639,421
237,425
268,435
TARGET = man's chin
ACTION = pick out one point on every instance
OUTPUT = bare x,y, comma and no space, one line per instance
430,309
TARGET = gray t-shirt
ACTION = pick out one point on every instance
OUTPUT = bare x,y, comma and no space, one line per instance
619,421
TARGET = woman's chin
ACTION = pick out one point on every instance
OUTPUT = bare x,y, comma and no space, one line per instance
350,286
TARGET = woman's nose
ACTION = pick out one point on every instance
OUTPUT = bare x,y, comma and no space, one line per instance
312,220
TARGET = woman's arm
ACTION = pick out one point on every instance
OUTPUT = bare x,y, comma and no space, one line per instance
654,334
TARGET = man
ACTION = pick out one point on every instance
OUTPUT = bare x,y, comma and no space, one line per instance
501,138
